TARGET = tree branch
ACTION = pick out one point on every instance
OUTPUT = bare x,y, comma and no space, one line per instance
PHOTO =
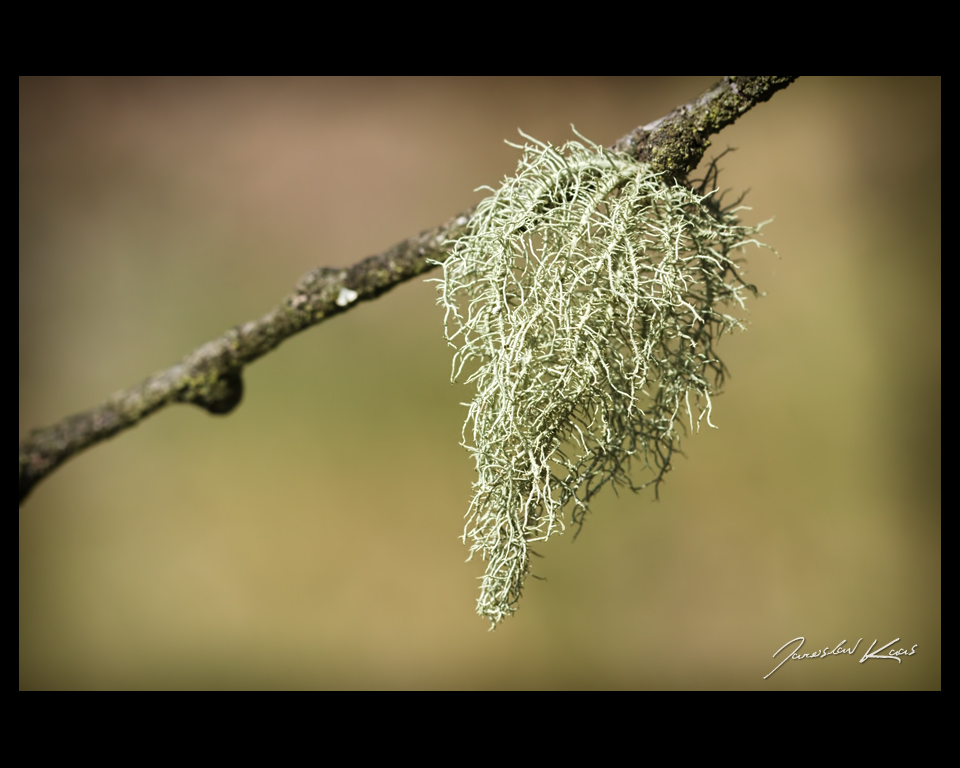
211,376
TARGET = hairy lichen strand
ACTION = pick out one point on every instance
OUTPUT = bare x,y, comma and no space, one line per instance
586,293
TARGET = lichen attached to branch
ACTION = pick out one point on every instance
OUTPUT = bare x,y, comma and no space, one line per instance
584,304
211,376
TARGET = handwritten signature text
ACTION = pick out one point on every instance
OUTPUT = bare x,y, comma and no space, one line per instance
840,650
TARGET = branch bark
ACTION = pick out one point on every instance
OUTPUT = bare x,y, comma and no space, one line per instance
211,376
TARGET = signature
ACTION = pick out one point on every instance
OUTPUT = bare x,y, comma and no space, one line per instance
839,650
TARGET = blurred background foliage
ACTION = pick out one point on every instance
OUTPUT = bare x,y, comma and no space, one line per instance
310,539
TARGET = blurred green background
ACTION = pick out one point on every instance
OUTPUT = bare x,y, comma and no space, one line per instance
310,539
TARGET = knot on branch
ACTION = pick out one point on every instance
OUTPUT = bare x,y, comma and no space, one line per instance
217,395
211,377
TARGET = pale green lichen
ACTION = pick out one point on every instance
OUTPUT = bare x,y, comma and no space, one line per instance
585,303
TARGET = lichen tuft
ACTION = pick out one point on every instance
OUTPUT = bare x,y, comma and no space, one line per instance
584,304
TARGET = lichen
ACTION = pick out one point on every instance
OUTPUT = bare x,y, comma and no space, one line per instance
584,304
